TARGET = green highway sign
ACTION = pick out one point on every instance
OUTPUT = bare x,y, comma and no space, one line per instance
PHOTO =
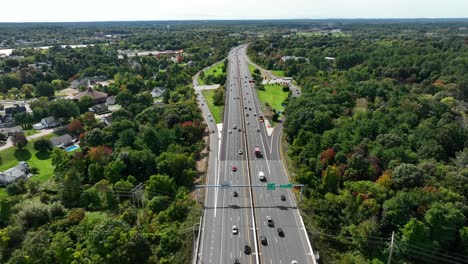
285,186
271,186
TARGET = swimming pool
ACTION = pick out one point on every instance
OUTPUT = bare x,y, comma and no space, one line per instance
72,148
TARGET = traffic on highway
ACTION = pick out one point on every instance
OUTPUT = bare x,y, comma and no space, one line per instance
246,219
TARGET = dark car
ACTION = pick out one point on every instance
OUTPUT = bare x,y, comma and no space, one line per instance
236,261
247,248
270,221
283,198
280,232
264,240
235,194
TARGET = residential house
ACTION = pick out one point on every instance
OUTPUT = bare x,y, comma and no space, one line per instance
286,58
110,100
46,123
10,131
87,81
20,171
99,97
157,92
15,110
99,109
190,64
107,120
7,121
62,141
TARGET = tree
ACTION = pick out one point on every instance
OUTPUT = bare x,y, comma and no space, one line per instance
444,220
75,127
160,183
85,103
43,144
414,233
113,171
3,137
65,109
19,140
408,176
124,97
45,89
23,119
330,179
178,166
218,97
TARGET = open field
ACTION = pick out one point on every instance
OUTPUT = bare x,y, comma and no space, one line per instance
273,95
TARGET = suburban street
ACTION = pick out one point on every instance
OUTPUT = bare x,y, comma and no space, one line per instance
233,144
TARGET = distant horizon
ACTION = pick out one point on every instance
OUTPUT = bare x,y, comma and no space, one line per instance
250,19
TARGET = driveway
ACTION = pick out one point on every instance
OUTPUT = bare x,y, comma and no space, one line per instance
43,133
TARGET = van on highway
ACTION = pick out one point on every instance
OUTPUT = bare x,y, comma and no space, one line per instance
261,176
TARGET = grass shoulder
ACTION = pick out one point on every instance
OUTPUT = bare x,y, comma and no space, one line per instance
217,111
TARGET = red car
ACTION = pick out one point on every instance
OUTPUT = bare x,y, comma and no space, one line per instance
234,168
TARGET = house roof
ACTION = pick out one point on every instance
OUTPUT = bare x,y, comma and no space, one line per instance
108,119
110,100
15,109
14,173
14,129
62,140
91,93
49,119
99,108
157,91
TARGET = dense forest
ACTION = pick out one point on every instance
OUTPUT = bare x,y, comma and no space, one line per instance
379,137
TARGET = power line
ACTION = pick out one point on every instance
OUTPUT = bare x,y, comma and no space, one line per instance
436,253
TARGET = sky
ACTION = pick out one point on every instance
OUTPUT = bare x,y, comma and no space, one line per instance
131,10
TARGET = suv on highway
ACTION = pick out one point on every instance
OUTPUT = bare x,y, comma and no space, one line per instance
234,127
235,230
264,240
247,248
270,221
280,232
283,198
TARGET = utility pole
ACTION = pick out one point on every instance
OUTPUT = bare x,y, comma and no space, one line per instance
391,249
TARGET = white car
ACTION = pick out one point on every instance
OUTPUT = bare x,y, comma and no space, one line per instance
235,231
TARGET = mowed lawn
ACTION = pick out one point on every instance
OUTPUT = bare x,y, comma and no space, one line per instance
40,160
215,71
217,111
278,73
273,95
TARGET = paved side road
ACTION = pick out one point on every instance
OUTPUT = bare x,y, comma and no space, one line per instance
43,132
296,90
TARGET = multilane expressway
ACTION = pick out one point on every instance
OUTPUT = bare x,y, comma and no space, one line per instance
233,162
